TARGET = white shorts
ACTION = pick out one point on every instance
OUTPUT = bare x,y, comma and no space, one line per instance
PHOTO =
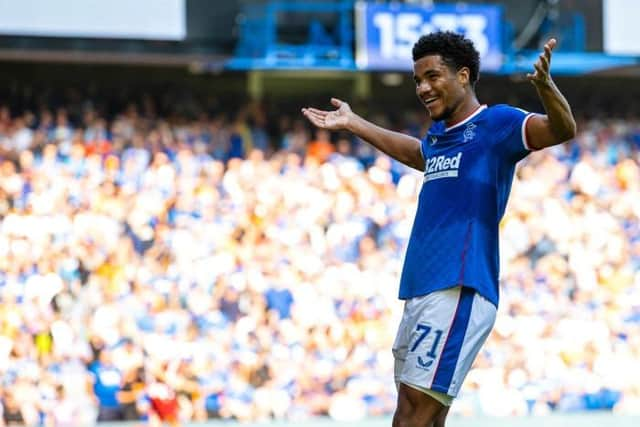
439,337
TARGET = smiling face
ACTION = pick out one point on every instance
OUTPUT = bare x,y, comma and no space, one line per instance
441,89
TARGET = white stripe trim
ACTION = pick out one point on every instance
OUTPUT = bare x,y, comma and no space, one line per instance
475,113
523,132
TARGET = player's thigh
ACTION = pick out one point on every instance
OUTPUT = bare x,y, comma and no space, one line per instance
415,408
423,331
401,345
417,330
439,337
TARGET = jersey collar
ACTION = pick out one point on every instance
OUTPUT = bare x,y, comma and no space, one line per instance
469,117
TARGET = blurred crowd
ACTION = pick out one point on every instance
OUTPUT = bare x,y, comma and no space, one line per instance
172,268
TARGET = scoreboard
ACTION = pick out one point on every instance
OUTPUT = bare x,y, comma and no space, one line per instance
385,33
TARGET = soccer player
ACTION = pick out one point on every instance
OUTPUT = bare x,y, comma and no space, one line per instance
449,281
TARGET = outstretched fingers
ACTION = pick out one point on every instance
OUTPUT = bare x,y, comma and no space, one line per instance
315,111
543,64
333,120
545,57
336,102
315,116
549,45
540,68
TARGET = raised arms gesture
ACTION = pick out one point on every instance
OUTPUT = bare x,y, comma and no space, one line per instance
332,120
542,66
404,148
558,125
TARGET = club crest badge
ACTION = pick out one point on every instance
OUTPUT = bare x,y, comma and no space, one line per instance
469,132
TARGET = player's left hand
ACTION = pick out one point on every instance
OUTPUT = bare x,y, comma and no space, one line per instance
541,75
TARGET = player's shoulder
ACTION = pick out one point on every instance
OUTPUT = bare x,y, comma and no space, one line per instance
505,110
503,114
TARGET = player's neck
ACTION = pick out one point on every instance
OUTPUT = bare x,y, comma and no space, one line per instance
464,110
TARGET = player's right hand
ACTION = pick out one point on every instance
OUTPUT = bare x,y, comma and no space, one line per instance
333,120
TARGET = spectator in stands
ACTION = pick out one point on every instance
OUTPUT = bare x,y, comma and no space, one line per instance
321,147
107,384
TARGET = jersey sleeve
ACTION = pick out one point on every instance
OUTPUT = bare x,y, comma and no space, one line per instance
510,129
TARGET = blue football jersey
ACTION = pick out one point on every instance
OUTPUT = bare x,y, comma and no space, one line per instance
467,179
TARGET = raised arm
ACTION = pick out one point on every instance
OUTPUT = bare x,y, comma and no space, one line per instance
404,148
558,125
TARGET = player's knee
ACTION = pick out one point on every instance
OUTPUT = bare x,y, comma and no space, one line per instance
403,414
439,421
415,409
412,419
406,420
441,417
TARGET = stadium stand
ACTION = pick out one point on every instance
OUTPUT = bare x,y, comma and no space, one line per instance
212,258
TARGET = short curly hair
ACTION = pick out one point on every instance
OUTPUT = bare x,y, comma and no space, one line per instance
455,50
